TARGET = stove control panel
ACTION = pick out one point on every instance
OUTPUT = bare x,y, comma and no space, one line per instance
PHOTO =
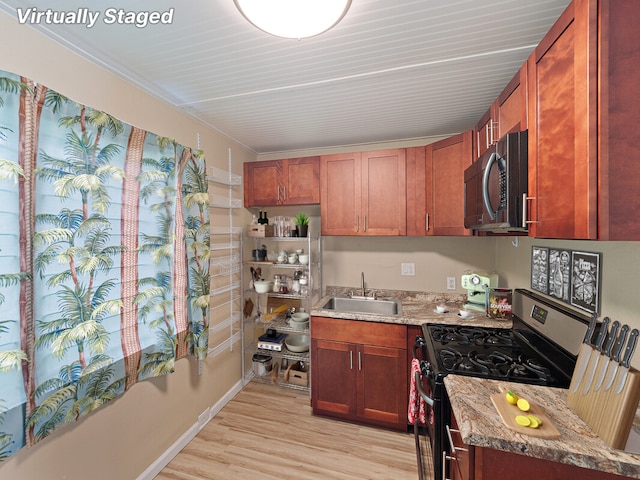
539,313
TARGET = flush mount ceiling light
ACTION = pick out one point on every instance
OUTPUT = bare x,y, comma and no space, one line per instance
293,18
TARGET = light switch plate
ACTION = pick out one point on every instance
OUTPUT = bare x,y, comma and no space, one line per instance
408,269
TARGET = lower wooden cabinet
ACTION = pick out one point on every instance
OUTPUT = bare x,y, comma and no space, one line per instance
467,462
359,371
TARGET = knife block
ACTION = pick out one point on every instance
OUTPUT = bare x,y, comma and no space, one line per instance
608,413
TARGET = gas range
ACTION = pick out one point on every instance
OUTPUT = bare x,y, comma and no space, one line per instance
540,348
491,353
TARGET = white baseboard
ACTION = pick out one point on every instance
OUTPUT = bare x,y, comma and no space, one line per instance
156,467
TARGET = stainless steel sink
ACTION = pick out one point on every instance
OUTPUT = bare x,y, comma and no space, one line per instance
362,305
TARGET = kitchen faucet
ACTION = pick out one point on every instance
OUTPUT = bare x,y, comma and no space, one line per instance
363,291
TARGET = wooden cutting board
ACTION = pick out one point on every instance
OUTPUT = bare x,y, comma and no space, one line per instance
509,412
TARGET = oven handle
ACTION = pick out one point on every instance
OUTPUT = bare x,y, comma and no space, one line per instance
428,400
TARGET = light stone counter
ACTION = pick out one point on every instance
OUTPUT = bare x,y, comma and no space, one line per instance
481,425
417,308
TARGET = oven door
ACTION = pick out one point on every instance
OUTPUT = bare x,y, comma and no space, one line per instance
424,422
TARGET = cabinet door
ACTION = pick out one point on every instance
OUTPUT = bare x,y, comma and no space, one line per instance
384,201
333,374
512,104
446,161
301,181
486,131
261,183
340,195
416,192
382,385
563,87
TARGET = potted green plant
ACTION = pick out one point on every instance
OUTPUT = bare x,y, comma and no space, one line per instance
302,221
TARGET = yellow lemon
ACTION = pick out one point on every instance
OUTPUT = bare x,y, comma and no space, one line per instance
523,405
512,398
534,421
522,420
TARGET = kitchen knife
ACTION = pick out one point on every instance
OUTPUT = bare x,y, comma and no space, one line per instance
591,374
606,351
615,359
628,353
583,356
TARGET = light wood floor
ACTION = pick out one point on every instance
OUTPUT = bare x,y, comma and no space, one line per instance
268,432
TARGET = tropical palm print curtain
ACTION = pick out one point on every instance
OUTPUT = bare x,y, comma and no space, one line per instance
104,259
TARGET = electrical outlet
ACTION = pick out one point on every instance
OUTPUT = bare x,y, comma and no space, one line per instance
408,269
451,283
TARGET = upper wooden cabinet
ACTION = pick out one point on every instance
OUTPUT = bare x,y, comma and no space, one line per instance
363,193
584,150
435,186
294,181
507,114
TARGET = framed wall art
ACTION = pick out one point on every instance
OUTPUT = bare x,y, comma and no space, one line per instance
585,280
560,274
570,276
540,269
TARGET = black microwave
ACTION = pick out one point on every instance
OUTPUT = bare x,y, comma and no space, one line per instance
495,187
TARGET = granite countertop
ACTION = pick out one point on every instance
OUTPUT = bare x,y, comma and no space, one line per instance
417,308
481,425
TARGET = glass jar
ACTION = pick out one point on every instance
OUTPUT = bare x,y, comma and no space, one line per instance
277,283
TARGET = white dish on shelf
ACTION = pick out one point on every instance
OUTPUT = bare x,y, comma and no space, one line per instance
303,259
262,286
300,317
442,312
298,343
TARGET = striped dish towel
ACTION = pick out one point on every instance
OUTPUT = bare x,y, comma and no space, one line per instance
414,397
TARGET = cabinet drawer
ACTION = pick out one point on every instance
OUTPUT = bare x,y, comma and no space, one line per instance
361,332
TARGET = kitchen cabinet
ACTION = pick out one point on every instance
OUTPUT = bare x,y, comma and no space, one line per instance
256,325
584,149
294,181
508,113
359,371
363,193
469,462
435,186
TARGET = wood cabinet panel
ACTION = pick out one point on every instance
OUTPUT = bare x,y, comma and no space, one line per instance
446,161
293,181
563,140
358,379
340,196
584,151
382,384
363,193
333,385
384,204
435,186
302,181
261,180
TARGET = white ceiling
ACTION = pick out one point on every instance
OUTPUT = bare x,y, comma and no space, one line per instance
391,70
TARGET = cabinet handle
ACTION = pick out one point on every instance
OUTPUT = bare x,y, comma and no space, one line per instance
453,447
426,222
365,224
445,457
284,189
525,199
278,192
486,134
351,359
359,362
357,223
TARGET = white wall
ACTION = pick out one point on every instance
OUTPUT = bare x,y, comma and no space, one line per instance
121,440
